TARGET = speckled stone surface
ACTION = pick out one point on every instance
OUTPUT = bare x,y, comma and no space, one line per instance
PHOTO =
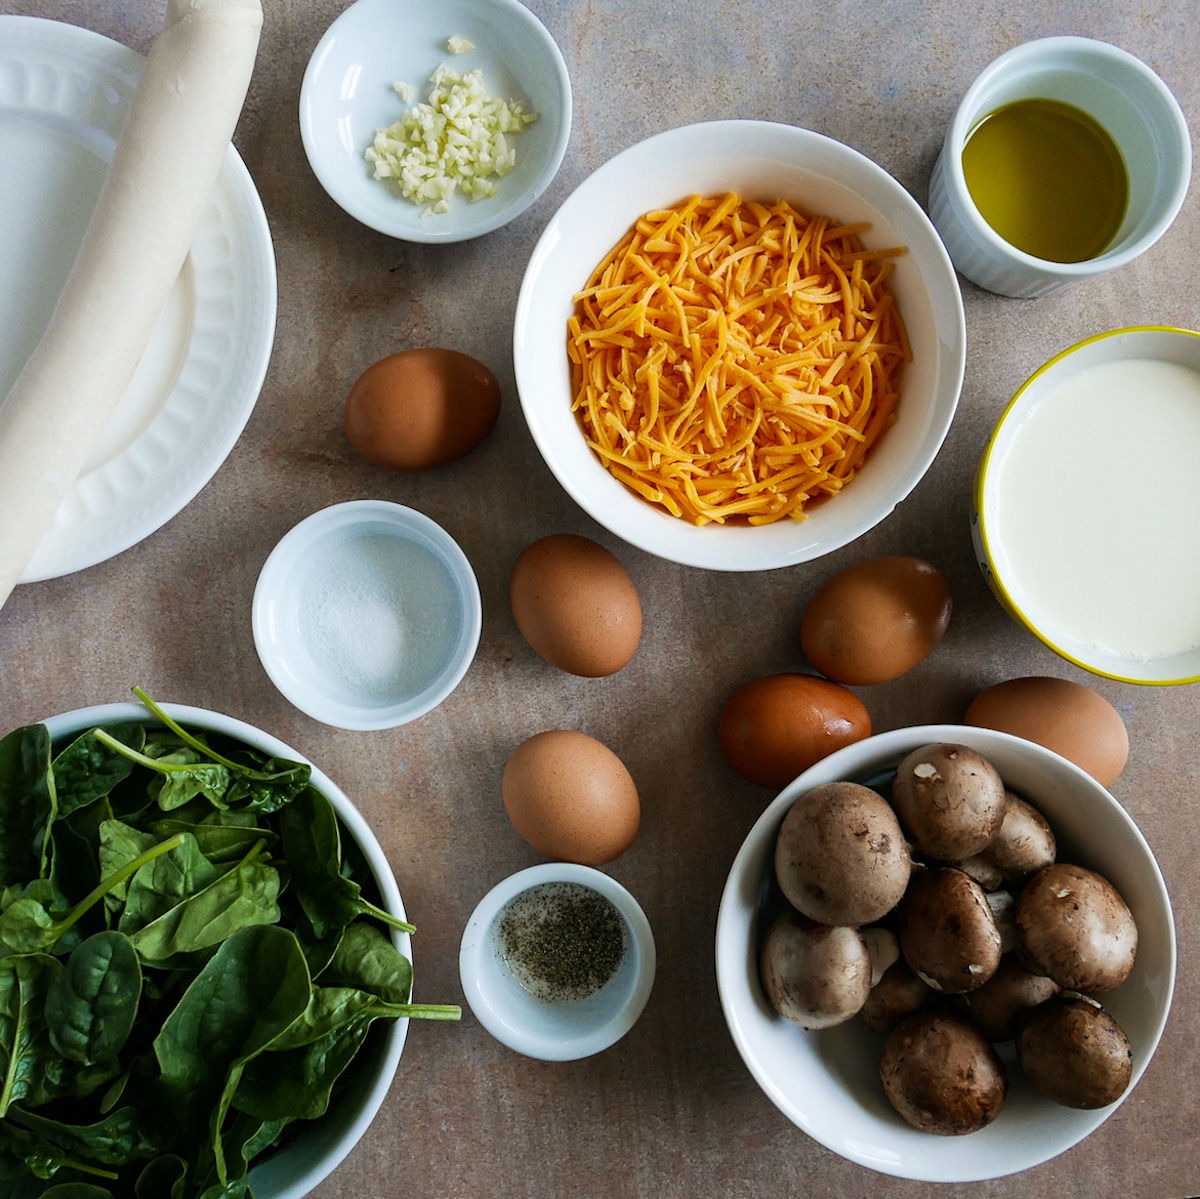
670,1111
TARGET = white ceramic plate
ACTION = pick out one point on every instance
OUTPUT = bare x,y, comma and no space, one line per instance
347,95
64,94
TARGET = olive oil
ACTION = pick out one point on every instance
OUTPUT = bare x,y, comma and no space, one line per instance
1048,178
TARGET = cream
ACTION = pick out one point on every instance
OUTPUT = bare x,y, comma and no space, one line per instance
1098,504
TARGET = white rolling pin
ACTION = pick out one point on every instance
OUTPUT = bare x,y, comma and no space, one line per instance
166,163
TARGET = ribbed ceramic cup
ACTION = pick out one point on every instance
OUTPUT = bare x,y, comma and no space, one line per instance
1120,92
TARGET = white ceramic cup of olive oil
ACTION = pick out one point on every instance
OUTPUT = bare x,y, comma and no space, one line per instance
1094,145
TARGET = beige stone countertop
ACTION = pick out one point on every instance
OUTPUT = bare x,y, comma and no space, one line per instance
670,1111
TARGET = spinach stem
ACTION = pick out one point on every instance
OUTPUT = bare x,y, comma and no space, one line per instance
429,1011
200,746
140,758
86,1168
115,879
379,913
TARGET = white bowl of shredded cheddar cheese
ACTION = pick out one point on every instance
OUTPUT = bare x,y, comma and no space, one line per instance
716,391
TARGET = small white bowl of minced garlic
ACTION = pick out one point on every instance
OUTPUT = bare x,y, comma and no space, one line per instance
557,961
435,122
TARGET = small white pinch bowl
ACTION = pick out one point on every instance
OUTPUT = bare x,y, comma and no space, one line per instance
565,1030
827,1082
1143,587
367,615
347,94
761,161
1119,91
301,1165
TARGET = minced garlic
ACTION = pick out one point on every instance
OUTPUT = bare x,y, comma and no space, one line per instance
455,139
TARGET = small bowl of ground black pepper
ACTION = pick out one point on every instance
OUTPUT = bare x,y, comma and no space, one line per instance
557,961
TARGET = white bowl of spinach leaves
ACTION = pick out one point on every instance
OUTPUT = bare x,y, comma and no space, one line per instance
205,973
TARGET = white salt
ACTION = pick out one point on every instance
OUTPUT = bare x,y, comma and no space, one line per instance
378,614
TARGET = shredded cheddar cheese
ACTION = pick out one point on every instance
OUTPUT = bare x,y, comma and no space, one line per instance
735,361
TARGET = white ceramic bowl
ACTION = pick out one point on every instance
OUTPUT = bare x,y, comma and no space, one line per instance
367,615
347,94
1118,595
769,162
299,1167
555,1031
1127,98
827,1082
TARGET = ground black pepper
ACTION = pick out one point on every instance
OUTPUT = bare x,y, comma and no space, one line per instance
561,941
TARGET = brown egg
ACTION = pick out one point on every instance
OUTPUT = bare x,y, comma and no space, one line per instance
875,619
421,408
1065,716
571,797
776,727
576,605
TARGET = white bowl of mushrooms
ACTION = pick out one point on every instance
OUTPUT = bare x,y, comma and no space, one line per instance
860,1003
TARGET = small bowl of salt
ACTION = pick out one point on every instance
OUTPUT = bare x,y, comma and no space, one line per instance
367,615
557,961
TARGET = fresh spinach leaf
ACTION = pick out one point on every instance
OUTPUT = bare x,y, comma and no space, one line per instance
298,1072
24,1041
76,868
161,885
295,1077
24,1155
312,846
88,769
162,1178
166,901
120,844
113,1141
220,843
180,911
182,776
296,1083
244,1137
248,993
366,959
59,1080
237,1189
92,1002
265,789
255,986
27,804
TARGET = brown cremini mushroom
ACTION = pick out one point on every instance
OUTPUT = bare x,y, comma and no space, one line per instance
813,975
1074,927
840,856
898,994
949,799
1023,845
1074,1052
947,932
996,1005
942,1075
